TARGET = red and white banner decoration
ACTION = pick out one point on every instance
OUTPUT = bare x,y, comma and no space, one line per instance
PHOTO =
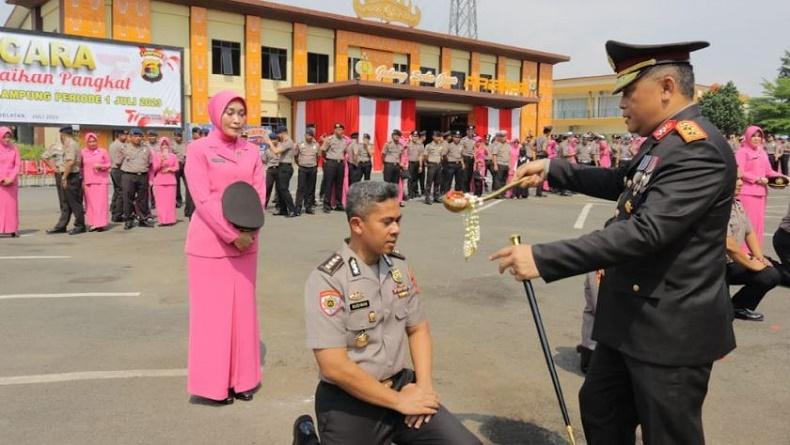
376,117
490,120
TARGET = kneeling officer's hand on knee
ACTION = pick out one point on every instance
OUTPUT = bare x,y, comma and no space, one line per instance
415,401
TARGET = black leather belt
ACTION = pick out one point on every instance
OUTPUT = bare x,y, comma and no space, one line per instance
334,160
134,173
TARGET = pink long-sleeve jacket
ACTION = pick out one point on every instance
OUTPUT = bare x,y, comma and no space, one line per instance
214,163
9,158
158,167
754,164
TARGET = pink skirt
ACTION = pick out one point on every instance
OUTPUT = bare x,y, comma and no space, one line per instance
97,205
9,208
224,339
754,206
165,197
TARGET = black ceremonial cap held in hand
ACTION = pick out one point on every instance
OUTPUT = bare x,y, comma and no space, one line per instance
241,206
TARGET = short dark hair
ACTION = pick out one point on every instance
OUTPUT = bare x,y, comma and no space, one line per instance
683,74
362,195
547,129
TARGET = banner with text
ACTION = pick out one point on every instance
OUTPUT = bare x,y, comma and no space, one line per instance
51,79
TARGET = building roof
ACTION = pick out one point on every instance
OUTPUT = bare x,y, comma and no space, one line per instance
397,91
310,17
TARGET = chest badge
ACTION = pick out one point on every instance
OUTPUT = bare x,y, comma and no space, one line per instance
356,296
397,276
629,207
361,339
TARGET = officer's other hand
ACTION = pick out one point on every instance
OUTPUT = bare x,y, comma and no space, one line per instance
244,241
416,401
417,421
519,260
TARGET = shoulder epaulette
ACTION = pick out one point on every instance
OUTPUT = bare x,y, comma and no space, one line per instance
331,265
398,255
690,131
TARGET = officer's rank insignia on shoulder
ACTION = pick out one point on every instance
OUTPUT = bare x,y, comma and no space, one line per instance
331,301
398,255
664,129
331,265
690,131
355,271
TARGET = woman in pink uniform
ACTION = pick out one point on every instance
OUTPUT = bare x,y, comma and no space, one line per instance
222,262
605,153
9,185
96,182
164,166
753,161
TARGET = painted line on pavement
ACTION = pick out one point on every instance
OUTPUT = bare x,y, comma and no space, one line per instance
90,375
583,216
69,295
34,257
486,207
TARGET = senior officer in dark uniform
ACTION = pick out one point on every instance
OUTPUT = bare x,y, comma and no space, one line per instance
361,306
664,312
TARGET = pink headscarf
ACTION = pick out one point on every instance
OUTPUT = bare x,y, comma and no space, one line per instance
165,141
216,107
747,137
4,131
88,136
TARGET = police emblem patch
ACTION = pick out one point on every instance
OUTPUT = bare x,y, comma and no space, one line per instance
331,301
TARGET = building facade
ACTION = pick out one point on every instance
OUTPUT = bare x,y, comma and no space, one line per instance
586,104
283,58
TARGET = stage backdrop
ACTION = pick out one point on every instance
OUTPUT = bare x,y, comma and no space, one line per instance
376,117
490,120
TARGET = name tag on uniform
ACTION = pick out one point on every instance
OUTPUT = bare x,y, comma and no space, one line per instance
359,305
218,160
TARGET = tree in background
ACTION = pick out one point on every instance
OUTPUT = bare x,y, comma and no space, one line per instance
772,111
722,106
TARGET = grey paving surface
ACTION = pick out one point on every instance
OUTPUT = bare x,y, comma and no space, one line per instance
488,364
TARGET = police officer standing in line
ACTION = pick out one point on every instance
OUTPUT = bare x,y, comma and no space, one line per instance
53,156
500,159
152,139
433,159
271,160
421,176
134,181
416,151
588,153
468,153
443,170
364,156
180,150
663,313
355,172
307,161
285,149
69,184
334,149
454,174
390,154
116,206
189,205
361,306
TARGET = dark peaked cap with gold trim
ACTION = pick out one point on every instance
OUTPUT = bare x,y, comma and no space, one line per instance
630,61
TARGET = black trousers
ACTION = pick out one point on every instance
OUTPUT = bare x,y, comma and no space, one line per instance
345,420
305,188
469,172
415,188
620,393
365,168
179,180
135,196
354,174
500,176
783,163
189,204
116,205
781,241
285,201
432,184
391,172
333,174
755,284
774,161
453,177
59,189
271,180
442,176
71,201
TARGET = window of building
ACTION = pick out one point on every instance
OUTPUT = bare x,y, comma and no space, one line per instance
425,70
570,108
609,106
401,68
486,76
273,123
352,71
461,80
317,68
274,64
226,58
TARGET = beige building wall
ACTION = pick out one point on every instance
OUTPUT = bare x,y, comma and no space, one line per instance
513,70
459,61
50,16
488,65
228,27
430,57
322,41
170,26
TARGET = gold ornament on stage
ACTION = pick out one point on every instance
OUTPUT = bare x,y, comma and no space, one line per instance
399,11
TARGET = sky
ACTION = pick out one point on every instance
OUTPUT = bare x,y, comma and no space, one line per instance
747,37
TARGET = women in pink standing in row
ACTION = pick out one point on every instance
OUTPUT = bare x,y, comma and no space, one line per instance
164,166
9,185
96,183
605,153
753,162
222,261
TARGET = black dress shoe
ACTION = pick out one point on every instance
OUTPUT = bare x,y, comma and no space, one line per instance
291,215
128,226
748,314
55,230
340,208
310,211
428,201
77,230
148,222
244,395
304,431
327,210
